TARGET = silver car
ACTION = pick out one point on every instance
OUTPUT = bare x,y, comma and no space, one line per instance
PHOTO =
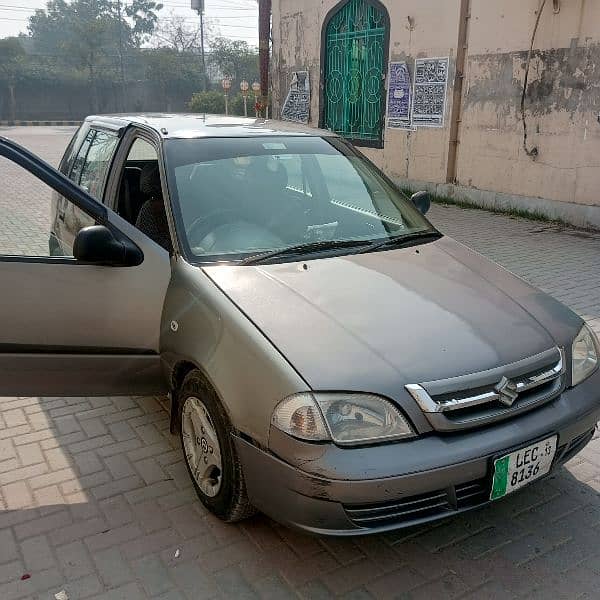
332,359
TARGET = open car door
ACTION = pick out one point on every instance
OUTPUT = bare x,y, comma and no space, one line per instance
86,321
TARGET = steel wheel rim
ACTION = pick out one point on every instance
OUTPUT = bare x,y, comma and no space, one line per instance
201,446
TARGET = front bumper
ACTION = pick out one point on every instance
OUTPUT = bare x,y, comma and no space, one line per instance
328,490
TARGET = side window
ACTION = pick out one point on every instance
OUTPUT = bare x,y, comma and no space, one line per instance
79,161
140,199
97,161
140,167
69,156
31,224
142,150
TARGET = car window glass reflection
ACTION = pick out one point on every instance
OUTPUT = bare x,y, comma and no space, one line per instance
239,197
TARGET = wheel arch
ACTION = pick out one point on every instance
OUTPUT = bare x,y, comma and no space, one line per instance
181,369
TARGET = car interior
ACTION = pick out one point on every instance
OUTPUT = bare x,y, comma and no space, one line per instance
240,203
140,199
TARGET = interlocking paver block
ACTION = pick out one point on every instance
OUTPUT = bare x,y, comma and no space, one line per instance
66,424
43,524
152,574
93,427
119,466
8,547
7,450
194,582
131,591
74,560
232,584
15,417
17,495
88,462
78,531
37,554
30,454
113,568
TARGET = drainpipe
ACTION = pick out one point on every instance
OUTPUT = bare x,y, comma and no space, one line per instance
456,116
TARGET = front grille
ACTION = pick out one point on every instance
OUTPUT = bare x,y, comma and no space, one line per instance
413,509
482,398
472,494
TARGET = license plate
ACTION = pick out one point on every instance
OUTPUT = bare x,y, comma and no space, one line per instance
523,466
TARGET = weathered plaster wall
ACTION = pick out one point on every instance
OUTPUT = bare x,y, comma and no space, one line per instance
562,102
297,29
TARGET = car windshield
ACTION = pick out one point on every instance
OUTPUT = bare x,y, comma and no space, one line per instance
236,198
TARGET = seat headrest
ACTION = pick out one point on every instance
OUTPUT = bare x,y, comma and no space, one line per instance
150,181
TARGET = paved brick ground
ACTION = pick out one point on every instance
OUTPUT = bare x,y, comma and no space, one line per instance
95,500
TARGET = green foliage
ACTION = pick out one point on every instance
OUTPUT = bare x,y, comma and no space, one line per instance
176,74
12,59
144,16
214,103
91,36
97,46
208,102
92,26
234,59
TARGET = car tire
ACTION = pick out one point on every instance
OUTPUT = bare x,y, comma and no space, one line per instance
209,451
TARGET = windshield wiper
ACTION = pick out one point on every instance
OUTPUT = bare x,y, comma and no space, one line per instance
400,241
306,248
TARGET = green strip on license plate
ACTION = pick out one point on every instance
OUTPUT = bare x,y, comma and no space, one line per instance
500,478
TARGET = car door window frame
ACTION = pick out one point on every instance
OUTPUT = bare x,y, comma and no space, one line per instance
66,162
113,182
65,187
94,129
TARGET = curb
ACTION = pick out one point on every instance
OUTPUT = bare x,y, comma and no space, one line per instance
19,123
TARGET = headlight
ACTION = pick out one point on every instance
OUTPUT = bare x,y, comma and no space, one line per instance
347,419
585,355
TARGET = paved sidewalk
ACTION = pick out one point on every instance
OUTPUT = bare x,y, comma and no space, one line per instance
95,499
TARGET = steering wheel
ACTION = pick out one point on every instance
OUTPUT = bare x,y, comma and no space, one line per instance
202,226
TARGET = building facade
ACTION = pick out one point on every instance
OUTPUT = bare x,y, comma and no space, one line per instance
494,103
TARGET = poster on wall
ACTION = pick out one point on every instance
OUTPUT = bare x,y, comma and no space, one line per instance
399,96
297,104
429,92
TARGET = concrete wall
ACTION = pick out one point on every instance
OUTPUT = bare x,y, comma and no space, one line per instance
562,101
46,101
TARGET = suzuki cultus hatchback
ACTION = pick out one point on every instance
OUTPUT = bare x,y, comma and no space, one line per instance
332,359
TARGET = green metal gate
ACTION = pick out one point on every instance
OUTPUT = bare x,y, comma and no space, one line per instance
355,71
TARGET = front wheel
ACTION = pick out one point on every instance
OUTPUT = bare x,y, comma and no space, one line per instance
209,451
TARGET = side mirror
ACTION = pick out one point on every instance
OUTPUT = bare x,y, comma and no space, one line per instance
422,200
97,245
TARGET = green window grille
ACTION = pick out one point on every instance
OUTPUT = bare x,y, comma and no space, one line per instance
355,71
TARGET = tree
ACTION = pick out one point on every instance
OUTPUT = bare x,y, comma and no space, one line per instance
235,59
85,33
12,62
144,15
176,33
175,73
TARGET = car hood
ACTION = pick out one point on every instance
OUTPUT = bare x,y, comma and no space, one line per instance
375,322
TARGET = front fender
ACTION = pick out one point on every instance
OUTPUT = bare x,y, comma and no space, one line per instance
202,326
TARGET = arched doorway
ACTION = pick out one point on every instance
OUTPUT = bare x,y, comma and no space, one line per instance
354,57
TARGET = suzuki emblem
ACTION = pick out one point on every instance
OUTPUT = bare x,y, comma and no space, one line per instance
507,391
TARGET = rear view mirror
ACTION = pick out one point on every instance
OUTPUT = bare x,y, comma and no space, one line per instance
422,200
97,245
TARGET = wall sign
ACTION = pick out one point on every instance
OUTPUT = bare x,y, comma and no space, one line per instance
399,96
429,92
297,104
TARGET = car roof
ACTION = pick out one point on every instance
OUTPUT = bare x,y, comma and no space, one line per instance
200,125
